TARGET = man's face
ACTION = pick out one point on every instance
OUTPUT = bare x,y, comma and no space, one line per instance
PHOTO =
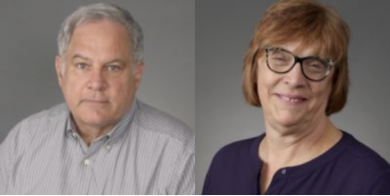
100,80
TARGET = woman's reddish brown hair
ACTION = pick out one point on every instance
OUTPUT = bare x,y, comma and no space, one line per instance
312,24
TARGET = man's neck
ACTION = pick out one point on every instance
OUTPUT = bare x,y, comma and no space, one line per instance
91,133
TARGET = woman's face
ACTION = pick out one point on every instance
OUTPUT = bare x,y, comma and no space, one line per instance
290,99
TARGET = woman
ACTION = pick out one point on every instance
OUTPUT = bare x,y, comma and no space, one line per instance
296,69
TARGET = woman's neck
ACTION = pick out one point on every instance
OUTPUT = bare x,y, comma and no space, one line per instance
295,147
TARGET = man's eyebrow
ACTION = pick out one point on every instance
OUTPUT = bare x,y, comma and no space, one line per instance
81,57
117,60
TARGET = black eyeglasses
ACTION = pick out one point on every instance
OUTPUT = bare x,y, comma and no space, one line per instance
282,61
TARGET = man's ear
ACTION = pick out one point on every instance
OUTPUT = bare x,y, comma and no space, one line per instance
58,62
139,69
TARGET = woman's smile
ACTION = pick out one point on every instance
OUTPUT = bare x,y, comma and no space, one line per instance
291,99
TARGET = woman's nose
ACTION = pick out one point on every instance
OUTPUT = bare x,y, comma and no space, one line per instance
295,76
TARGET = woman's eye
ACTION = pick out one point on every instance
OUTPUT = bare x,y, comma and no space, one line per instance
279,59
314,65
317,65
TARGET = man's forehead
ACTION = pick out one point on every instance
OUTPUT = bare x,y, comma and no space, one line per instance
99,21
105,60
104,29
107,43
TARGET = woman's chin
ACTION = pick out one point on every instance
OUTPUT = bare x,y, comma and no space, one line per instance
288,120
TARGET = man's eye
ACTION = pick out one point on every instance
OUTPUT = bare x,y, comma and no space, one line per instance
81,66
113,68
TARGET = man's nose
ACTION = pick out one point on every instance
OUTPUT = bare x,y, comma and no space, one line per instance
97,80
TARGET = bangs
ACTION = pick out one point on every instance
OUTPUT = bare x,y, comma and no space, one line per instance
312,26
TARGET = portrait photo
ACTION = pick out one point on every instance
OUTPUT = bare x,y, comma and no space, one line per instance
98,97
29,38
244,94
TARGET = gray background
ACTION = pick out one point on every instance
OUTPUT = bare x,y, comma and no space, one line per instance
28,47
223,31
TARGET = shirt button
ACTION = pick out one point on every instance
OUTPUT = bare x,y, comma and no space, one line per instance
284,171
87,162
108,147
74,134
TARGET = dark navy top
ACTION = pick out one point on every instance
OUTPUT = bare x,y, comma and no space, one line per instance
349,167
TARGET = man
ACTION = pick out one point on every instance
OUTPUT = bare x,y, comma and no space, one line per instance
103,140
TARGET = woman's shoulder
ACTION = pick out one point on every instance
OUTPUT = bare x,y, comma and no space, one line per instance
234,165
365,155
366,167
239,151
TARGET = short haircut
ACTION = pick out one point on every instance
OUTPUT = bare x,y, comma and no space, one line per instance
314,25
99,12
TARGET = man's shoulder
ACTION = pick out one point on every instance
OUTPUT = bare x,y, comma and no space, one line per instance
43,121
162,123
54,113
37,127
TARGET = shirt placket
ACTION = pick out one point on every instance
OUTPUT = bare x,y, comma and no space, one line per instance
95,152
87,165
278,182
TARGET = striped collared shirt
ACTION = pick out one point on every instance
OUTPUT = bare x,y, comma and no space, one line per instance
147,152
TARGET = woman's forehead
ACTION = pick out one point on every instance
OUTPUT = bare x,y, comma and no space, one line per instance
302,48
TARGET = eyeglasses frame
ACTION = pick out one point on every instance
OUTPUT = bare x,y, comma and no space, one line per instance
329,62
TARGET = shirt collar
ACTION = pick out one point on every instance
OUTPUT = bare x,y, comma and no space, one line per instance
115,133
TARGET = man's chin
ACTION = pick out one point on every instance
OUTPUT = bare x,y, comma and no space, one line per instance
95,119
94,105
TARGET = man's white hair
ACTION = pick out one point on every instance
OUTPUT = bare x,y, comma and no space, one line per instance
98,12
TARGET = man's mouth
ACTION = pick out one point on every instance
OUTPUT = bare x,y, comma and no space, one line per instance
95,101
